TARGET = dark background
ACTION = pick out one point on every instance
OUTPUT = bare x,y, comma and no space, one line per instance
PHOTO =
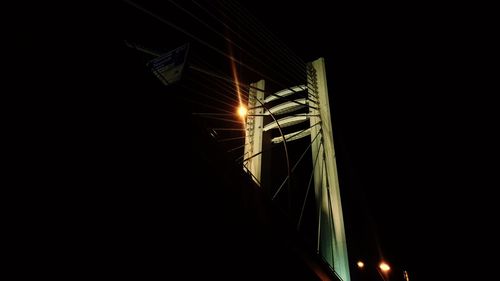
408,121
399,124
408,86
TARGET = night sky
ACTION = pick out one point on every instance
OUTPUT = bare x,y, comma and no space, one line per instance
393,73
406,136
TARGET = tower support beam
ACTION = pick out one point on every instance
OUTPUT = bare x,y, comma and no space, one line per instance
253,131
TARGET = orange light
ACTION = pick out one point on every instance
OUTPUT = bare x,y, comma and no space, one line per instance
360,264
242,111
384,267
405,274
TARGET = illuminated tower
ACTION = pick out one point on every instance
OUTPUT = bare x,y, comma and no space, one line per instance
331,242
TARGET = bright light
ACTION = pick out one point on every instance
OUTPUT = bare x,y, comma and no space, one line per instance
384,267
242,111
360,264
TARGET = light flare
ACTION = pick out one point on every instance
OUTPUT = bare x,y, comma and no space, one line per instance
384,267
242,111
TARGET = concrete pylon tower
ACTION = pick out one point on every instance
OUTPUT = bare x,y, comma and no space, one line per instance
331,240
253,131
332,243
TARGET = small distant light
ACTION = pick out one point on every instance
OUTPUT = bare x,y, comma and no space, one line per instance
384,267
360,264
405,274
242,111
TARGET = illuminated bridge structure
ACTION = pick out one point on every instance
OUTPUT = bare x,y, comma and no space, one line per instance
302,104
282,146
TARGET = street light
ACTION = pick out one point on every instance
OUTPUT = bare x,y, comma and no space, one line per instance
384,269
242,111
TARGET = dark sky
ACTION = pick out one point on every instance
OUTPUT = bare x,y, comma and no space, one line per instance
392,75
405,133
